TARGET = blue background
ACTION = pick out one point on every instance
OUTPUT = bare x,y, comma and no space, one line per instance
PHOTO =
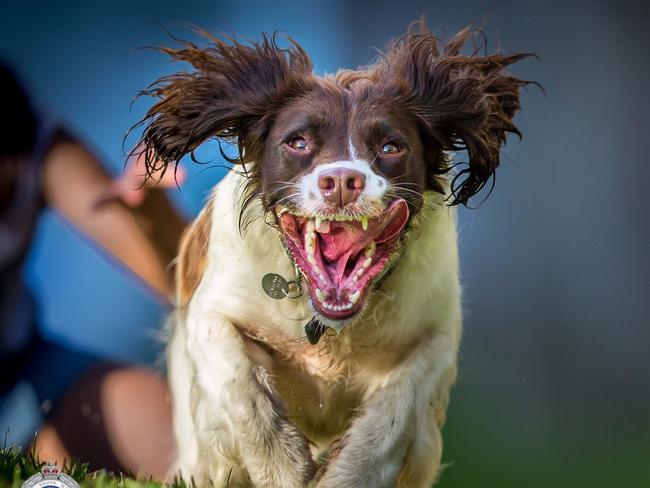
554,387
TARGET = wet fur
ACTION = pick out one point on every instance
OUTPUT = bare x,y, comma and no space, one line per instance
254,403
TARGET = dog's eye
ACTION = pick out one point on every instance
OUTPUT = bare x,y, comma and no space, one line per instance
298,143
390,148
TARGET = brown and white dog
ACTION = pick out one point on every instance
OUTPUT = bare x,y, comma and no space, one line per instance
343,190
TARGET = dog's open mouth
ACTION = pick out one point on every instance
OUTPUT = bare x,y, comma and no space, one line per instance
341,255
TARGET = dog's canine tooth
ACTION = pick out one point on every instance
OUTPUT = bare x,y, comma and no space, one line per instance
310,239
354,297
322,224
310,248
370,250
310,226
321,296
364,223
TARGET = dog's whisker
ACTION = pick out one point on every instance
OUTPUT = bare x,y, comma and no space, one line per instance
332,307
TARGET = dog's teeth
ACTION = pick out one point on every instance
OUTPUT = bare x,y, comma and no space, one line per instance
310,226
309,248
354,297
367,263
325,227
310,252
310,241
360,272
370,250
364,223
322,225
321,296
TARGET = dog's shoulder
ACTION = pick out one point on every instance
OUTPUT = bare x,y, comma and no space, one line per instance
197,242
192,255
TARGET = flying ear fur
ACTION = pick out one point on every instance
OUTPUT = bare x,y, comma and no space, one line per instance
231,94
463,102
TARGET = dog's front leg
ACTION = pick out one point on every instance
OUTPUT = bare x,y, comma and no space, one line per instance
242,429
373,452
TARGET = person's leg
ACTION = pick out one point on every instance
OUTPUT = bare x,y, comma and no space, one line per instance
112,416
117,418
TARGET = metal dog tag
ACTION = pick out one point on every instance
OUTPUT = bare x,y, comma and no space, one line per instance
275,286
314,330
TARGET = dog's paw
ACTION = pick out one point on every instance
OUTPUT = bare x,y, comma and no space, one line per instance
329,456
275,452
293,462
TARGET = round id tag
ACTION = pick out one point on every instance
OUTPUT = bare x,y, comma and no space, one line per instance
275,286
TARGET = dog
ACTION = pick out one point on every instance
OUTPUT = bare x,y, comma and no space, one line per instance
318,313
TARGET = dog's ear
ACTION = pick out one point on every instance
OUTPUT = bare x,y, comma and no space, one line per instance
231,94
463,102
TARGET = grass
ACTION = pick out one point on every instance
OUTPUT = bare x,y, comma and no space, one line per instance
17,465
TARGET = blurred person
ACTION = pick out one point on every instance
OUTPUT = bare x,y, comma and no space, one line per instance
110,415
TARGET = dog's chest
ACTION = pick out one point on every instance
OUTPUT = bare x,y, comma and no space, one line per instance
321,385
318,388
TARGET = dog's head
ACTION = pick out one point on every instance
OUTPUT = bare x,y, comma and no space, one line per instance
340,162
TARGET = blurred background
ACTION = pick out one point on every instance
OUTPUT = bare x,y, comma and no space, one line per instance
554,384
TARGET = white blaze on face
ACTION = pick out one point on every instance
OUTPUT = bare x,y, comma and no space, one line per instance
310,193
351,149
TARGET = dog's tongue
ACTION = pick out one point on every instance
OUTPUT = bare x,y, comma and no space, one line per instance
348,238
343,238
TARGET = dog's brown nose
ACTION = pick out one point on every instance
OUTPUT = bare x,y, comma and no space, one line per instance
341,186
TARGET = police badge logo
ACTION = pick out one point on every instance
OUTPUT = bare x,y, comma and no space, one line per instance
50,476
